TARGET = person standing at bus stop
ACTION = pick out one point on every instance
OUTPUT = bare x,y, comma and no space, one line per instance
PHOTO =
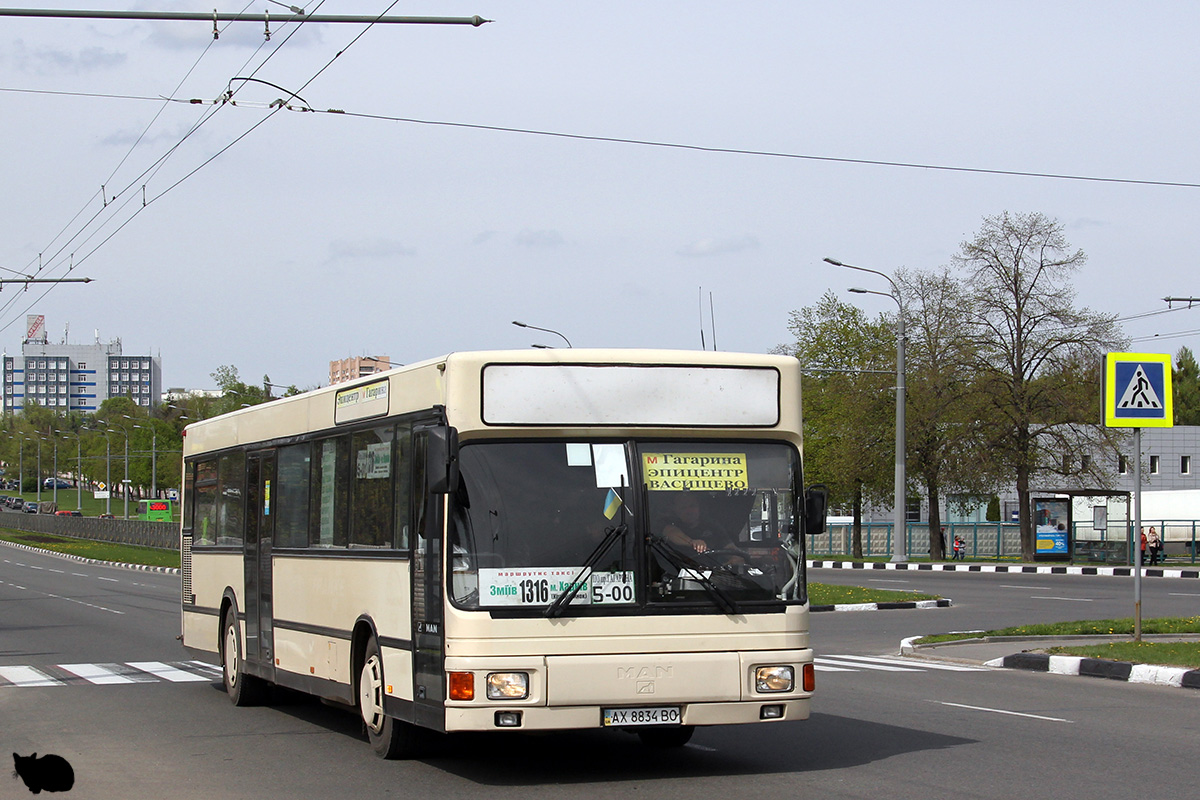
1154,545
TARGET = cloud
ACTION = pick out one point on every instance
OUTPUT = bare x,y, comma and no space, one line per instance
50,61
528,238
367,249
713,247
484,237
129,136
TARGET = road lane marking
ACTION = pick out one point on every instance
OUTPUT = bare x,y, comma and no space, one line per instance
1182,594
1003,711
113,580
1069,599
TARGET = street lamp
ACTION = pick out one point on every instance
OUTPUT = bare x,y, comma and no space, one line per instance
124,483
78,467
544,330
900,523
153,455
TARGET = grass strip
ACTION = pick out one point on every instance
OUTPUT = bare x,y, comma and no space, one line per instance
1087,627
825,594
1170,654
90,548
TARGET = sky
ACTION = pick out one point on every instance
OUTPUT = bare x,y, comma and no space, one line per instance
276,240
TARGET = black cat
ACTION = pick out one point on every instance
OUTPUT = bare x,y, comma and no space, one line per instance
50,773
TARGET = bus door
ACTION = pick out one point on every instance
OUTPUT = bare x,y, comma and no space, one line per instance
260,531
429,691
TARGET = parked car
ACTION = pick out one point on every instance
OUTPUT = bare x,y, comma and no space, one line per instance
17,503
56,483
30,508
66,513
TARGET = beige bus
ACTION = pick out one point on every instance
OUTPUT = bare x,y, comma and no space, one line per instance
512,541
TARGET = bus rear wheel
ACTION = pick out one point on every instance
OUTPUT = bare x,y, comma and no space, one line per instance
243,689
390,738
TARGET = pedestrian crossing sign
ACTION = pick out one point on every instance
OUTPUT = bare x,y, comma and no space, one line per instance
1137,391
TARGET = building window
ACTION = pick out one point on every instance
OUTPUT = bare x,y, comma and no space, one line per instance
1122,465
1085,462
1185,465
82,365
1153,465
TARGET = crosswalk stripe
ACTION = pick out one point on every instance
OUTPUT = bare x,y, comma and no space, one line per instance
921,665
27,676
166,672
95,673
863,665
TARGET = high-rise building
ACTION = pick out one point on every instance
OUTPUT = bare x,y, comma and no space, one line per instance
76,377
356,367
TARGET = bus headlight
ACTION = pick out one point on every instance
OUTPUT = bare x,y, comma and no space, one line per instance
507,685
774,679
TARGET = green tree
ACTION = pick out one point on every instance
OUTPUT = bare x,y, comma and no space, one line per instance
942,409
234,393
1034,355
847,400
1185,384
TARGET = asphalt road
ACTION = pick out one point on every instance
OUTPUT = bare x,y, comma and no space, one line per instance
879,729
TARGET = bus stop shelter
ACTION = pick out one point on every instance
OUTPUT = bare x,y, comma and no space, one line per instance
1062,537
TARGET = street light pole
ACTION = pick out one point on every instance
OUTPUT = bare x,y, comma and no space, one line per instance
900,521
153,455
124,483
544,330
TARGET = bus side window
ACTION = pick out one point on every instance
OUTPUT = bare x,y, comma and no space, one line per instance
291,495
231,498
330,490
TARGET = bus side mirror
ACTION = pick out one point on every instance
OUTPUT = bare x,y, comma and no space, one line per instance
441,459
816,501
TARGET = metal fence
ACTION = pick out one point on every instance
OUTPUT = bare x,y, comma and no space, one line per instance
1002,540
164,535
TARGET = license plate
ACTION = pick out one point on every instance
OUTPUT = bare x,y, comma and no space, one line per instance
644,715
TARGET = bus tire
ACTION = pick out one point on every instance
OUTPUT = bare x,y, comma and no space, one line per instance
390,738
243,689
663,738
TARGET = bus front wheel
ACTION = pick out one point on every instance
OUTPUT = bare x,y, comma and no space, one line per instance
390,738
243,689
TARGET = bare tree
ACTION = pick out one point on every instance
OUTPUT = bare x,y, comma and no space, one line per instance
1034,356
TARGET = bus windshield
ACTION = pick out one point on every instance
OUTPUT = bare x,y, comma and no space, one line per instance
625,525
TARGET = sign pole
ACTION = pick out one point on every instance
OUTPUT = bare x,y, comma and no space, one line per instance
1137,535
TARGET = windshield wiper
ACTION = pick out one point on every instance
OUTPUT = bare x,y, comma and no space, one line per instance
672,556
555,609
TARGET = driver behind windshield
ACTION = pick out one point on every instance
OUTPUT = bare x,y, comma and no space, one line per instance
687,527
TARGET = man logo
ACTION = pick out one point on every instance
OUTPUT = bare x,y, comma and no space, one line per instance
645,687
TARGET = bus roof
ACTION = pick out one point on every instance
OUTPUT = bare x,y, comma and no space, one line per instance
564,388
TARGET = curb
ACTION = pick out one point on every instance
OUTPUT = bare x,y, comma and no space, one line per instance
1123,572
1099,668
81,559
883,606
